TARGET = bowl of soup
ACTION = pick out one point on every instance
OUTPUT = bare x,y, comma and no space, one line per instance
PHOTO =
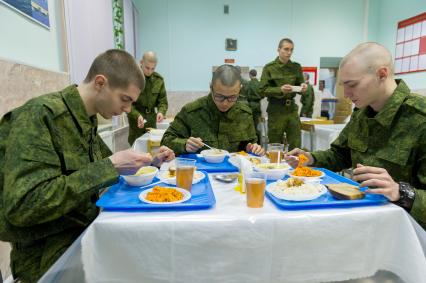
273,171
214,155
142,177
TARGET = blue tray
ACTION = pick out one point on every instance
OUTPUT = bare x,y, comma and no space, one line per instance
327,200
122,197
203,165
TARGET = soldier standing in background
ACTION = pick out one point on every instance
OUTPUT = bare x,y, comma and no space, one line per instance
276,83
53,163
153,96
254,98
307,99
216,119
385,140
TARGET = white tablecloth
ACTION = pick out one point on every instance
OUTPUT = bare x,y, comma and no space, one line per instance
233,243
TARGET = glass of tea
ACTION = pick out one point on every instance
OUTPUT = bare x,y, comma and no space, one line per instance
255,188
185,168
276,152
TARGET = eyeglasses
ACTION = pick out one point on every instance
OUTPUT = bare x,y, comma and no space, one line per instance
221,98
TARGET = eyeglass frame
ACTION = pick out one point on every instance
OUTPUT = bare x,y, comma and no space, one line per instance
221,98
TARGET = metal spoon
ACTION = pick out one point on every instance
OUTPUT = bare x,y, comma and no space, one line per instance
227,178
206,145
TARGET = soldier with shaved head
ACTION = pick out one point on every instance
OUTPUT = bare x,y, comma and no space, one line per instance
217,119
385,140
151,106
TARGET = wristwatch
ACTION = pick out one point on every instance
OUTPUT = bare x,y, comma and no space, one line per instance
407,194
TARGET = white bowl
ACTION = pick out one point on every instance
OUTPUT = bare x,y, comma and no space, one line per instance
213,156
273,171
142,179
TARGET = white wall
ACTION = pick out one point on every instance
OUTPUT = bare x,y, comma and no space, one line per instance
89,32
189,35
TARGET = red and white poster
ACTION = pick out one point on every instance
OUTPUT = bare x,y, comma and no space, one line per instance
410,52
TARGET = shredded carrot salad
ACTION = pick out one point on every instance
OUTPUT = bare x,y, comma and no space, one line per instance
302,171
163,194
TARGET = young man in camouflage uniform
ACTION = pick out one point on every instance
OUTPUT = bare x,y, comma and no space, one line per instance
53,163
216,119
153,96
276,83
254,98
385,140
307,99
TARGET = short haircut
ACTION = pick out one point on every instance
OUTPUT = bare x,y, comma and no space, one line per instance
371,56
227,74
306,75
253,73
119,67
284,40
149,56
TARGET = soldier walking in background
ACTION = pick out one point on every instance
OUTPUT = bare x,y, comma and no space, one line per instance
307,99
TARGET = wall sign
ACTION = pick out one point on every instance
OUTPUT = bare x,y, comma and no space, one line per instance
410,52
36,10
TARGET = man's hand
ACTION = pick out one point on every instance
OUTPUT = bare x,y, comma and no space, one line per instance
286,88
141,122
128,161
193,144
293,160
164,154
304,87
255,148
378,180
160,117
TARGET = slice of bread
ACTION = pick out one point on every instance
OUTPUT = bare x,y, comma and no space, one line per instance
345,191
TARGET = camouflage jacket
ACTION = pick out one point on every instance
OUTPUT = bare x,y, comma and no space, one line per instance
153,96
231,131
307,99
394,139
253,94
52,164
276,74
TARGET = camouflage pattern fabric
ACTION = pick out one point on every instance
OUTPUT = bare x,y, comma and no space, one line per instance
394,139
254,98
231,131
153,96
282,110
307,99
53,164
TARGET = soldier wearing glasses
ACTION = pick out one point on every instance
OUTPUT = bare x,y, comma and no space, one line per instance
216,119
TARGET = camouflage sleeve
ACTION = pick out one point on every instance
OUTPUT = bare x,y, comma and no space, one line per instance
41,184
106,152
162,104
266,89
134,114
177,133
418,211
338,157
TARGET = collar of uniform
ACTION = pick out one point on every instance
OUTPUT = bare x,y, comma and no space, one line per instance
391,107
75,104
277,60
